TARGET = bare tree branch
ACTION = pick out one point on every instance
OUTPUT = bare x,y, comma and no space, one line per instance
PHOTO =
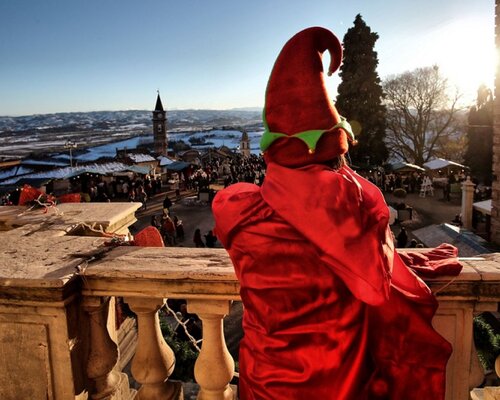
420,114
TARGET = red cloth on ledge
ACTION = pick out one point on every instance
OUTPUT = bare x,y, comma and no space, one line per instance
331,310
442,260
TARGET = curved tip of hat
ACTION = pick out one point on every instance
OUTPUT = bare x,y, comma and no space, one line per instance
323,39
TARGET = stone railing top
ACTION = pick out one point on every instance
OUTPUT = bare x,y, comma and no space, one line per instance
38,257
207,272
479,281
164,263
42,250
163,272
488,268
112,217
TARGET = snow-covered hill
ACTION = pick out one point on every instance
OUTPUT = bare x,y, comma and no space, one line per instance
131,119
20,136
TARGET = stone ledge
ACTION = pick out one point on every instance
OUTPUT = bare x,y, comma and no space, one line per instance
164,263
111,216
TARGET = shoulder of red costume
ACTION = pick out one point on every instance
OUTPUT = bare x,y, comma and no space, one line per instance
235,206
235,193
235,198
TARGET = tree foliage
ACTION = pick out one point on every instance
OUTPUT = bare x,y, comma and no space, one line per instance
421,115
360,96
453,147
479,154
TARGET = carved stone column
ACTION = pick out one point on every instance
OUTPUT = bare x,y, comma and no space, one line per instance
154,360
103,355
214,367
467,203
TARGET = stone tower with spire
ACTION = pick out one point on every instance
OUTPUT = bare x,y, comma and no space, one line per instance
160,128
245,145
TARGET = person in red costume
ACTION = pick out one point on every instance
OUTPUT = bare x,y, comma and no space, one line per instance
330,309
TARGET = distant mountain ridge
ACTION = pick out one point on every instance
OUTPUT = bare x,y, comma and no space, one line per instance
132,119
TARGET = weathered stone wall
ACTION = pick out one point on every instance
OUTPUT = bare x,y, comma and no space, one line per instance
495,212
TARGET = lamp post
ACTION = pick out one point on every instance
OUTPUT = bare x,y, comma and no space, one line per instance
70,145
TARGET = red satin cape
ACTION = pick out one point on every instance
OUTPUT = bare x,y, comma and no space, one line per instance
331,310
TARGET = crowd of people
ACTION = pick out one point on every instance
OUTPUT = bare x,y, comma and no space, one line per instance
250,169
412,182
171,228
223,172
137,188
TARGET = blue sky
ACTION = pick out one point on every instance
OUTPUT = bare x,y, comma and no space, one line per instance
68,55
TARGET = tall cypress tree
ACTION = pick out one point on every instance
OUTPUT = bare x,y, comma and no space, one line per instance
360,95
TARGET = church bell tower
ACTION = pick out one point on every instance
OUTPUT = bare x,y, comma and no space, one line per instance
160,128
245,145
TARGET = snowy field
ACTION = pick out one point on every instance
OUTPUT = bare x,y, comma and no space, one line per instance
212,139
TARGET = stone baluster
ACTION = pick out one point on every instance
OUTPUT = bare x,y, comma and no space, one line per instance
214,367
154,360
467,203
497,366
103,354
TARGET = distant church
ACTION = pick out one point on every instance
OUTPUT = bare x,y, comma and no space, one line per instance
245,145
160,128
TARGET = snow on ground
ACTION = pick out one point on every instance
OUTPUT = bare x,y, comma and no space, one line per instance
215,138
109,150
219,138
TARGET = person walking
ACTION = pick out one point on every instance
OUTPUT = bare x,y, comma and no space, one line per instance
402,238
168,230
210,239
179,228
198,241
167,203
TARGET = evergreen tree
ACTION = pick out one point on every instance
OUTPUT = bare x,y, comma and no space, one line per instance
360,95
479,154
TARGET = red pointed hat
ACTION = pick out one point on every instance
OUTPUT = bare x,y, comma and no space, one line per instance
302,126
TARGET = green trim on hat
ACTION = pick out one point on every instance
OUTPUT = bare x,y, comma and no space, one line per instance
310,138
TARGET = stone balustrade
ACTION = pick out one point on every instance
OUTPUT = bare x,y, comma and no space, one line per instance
474,291
145,278
58,338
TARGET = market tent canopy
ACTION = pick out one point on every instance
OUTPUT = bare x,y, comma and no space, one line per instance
165,161
44,163
441,163
138,169
483,206
405,167
178,166
69,172
75,173
17,170
35,182
84,171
